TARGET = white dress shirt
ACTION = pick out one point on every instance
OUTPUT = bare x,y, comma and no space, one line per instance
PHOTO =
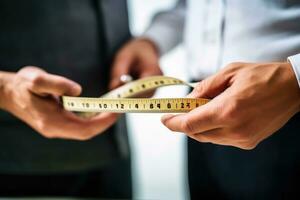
218,32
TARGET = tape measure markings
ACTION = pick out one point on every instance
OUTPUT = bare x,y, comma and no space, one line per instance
119,100
84,104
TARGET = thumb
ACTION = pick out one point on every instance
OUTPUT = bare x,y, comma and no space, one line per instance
121,66
210,87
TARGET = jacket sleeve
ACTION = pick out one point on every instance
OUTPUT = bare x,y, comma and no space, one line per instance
295,61
166,28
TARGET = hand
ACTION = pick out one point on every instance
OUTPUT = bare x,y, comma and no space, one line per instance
32,95
250,102
138,58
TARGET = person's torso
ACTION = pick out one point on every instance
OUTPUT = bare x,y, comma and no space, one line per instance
69,38
64,37
222,31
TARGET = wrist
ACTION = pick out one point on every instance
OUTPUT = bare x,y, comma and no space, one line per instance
5,78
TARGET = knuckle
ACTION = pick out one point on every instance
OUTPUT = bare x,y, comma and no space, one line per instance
28,68
200,87
29,72
37,78
35,81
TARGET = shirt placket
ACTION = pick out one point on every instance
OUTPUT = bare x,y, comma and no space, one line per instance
212,36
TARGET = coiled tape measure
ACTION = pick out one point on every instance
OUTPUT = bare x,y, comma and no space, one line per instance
120,100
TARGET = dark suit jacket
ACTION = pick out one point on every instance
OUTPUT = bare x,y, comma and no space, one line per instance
73,38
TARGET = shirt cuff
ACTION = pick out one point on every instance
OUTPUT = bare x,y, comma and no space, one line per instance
295,61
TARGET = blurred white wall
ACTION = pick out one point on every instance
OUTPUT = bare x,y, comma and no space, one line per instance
159,156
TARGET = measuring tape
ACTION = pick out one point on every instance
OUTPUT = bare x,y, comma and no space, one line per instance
120,100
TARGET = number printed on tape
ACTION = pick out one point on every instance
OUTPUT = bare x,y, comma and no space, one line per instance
119,100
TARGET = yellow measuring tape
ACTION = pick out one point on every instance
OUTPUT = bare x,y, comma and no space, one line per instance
120,100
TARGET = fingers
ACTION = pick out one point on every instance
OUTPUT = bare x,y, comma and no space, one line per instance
196,121
138,58
212,125
74,127
103,121
42,83
56,85
49,119
210,87
120,66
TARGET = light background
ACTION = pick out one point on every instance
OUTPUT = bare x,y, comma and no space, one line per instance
159,156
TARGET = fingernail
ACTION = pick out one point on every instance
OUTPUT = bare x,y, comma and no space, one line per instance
165,118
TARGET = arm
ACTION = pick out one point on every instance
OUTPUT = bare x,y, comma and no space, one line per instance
166,29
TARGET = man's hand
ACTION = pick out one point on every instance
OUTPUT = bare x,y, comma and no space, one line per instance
32,95
250,102
138,58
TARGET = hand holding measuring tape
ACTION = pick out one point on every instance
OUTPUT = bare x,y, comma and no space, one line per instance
32,94
250,101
